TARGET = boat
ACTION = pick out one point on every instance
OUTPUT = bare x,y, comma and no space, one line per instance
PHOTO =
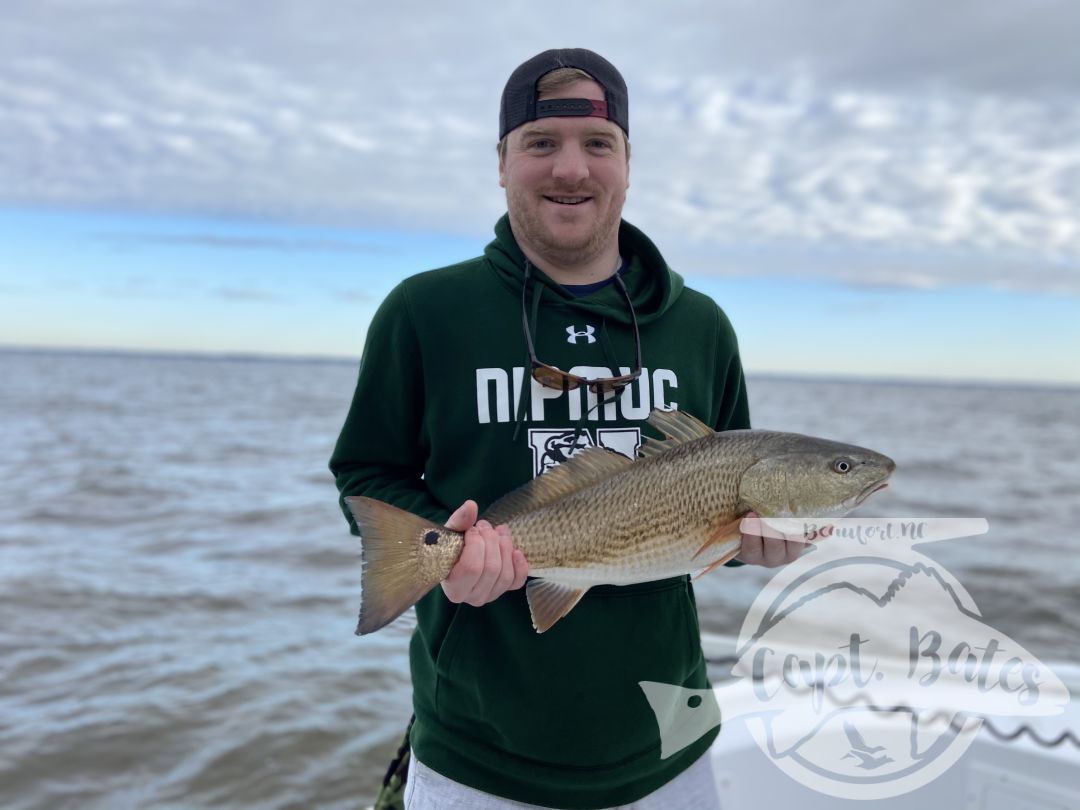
1020,763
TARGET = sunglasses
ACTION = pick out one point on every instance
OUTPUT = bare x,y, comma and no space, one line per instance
554,377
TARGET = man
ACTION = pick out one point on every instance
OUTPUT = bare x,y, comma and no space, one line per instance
461,398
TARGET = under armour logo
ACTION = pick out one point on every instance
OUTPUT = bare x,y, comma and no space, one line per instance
588,334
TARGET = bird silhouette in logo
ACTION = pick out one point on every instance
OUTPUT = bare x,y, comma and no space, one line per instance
863,752
560,448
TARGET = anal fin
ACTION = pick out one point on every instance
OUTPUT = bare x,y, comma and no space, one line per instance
549,601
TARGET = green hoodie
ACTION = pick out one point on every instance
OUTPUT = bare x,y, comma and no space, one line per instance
445,410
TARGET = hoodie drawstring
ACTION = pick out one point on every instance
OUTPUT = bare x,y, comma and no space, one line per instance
526,384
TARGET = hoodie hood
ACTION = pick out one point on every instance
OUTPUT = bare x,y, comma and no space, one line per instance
652,285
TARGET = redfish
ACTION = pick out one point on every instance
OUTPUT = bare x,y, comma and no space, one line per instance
601,518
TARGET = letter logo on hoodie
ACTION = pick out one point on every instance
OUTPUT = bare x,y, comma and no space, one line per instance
499,391
552,447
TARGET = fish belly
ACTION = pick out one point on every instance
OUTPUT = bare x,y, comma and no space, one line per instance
663,560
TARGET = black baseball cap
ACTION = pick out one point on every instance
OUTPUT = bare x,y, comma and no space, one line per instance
519,102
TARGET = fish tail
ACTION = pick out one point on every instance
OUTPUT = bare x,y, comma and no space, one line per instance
391,581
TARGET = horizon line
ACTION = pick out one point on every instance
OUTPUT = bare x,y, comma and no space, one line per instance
278,357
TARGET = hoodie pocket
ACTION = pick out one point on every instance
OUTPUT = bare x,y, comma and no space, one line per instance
569,697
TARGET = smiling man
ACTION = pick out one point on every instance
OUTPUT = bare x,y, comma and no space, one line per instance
566,179
462,396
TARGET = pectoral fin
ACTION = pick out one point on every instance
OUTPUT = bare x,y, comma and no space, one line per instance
549,601
726,558
722,533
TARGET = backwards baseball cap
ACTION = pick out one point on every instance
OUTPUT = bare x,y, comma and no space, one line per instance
519,103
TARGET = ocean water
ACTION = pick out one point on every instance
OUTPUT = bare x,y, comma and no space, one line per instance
178,589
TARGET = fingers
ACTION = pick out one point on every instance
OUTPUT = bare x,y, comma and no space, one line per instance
771,550
489,565
774,552
496,556
521,569
463,518
518,564
463,576
754,524
751,551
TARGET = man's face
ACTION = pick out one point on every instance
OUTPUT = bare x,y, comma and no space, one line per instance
566,181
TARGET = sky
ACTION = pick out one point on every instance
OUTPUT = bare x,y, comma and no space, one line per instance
886,189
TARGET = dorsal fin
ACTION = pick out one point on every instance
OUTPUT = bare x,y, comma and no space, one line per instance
678,426
587,467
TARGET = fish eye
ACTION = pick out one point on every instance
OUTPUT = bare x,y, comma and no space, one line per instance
431,538
843,465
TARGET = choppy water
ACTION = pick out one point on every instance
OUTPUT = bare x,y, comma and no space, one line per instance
178,590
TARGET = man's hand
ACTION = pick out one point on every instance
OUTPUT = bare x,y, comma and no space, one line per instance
489,565
768,546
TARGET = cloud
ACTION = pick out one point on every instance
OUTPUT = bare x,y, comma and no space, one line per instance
14,289
245,294
356,296
792,160
900,46
125,240
911,125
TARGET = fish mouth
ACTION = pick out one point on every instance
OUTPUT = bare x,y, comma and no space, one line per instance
877,486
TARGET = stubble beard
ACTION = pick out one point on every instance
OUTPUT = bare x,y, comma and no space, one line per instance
529,228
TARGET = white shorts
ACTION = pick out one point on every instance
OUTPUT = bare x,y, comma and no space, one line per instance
426,789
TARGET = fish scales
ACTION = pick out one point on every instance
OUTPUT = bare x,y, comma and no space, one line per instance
651,517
